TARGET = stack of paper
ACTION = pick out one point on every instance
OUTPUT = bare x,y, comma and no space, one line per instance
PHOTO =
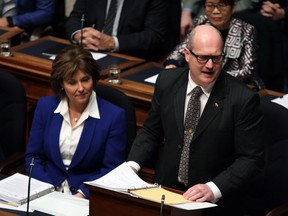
14,189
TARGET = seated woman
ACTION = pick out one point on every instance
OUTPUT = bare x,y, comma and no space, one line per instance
75,135
240,49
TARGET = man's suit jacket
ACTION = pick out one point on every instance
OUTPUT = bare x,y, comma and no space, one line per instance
101,148
226,147
142,25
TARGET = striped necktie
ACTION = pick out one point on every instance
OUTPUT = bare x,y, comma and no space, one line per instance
109,22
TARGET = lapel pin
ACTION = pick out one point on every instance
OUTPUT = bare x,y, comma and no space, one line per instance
216,104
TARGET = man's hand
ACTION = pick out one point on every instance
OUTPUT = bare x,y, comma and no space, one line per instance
79,195
170,66
186,23
95,40
199,193
274,11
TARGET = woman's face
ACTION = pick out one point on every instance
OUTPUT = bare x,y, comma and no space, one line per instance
219,13
78,89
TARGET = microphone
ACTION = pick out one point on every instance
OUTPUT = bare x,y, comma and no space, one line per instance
162,204
29,185
82,26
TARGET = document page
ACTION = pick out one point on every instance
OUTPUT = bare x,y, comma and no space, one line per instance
171,198
14,188
155,194
61,204
152,79
96,56
122,178
283,101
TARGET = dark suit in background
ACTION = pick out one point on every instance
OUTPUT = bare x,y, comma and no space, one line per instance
226,146
143,25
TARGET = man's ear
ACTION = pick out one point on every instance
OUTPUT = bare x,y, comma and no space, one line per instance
186,54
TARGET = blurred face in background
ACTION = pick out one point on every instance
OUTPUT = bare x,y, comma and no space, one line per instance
219,13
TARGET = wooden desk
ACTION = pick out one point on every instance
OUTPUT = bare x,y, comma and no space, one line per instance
5,213
104,202
140,92
34,71
13,34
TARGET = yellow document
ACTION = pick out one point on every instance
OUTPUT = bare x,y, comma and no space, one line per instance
155,194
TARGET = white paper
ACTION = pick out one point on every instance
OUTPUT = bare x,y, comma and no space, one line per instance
283,101
61,204
96,56
122,178
151,79
194,205
14,188
22,208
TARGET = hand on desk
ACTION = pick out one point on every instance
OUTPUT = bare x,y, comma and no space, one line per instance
199,193
95,40
80,195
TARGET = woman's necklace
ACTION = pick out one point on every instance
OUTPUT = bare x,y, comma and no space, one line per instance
73,116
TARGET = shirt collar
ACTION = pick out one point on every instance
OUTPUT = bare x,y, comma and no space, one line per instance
191,85
91,109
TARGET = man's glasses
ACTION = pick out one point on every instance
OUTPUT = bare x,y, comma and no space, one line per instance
220,6
203,59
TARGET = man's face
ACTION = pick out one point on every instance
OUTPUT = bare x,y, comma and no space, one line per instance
204,72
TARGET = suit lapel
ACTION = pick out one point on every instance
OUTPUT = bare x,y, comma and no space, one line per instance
125,12
179,101
54,140
213,106
84,142
100,13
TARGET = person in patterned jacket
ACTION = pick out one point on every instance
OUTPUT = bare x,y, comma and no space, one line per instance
240,49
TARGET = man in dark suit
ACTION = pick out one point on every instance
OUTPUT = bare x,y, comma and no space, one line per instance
226,148
140,27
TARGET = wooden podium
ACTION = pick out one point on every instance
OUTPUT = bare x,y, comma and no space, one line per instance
105,202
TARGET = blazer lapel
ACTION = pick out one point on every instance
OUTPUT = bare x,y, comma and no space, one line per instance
85,141
54,139
213,106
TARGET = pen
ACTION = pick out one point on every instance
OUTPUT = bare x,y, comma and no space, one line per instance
145,187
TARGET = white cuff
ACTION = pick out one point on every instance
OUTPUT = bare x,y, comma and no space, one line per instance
116,42
215,190
134,165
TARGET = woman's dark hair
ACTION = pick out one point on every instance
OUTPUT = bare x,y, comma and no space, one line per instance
229,2
67,63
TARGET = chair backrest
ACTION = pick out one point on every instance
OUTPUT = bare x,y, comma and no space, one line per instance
12,115
271,185
120,99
